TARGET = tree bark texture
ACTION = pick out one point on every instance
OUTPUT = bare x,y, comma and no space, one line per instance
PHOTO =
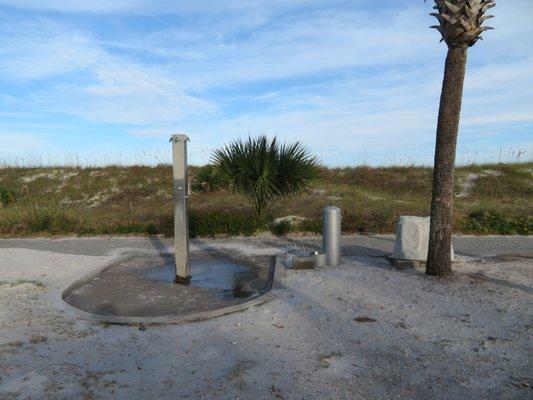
440,233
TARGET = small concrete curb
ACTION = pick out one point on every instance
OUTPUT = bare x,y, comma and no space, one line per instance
169,319
418,264
280,272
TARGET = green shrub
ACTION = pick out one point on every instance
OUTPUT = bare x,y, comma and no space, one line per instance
265,171
208,178
210,224
50,221
142,228
40,222
6,196
489,221
408,179
166,225
369,221
151,229
130,228
510,184
281,228
310,225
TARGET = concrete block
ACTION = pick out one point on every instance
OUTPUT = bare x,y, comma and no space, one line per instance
303,262
412,239
309,262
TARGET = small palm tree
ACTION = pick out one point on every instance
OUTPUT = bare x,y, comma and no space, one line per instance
460,25
264,170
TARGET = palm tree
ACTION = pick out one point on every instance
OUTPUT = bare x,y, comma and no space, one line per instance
460,24
263,170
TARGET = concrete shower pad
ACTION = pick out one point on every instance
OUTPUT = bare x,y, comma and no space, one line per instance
140,288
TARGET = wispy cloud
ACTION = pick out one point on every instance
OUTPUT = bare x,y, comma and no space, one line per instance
150,7
339,75
77,76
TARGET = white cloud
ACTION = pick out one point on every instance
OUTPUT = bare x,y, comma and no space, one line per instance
17,141
105,87
293,47
332,74
42,49
128,94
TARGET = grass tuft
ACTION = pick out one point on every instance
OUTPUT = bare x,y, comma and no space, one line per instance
20,282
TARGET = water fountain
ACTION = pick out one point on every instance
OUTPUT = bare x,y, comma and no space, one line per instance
160,286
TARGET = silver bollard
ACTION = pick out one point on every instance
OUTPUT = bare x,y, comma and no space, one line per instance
181,194
331,235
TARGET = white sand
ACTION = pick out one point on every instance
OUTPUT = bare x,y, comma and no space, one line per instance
464,337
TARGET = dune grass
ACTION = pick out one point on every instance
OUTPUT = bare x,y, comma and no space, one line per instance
491,199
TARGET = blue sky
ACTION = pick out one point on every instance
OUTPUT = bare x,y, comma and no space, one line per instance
98,81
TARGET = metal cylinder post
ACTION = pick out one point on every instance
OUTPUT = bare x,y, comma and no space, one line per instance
331,232
181,220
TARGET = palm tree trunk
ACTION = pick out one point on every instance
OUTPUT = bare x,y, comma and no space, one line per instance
440,233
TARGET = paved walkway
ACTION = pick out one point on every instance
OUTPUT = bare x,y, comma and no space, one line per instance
354,245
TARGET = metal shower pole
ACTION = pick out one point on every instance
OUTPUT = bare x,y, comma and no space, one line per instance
181,220
331,219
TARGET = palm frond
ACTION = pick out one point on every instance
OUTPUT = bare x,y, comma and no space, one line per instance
460,21
264,170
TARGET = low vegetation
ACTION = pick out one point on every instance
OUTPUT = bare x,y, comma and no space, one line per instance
490,199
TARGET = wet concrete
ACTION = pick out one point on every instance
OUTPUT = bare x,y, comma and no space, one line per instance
142,286
206,272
